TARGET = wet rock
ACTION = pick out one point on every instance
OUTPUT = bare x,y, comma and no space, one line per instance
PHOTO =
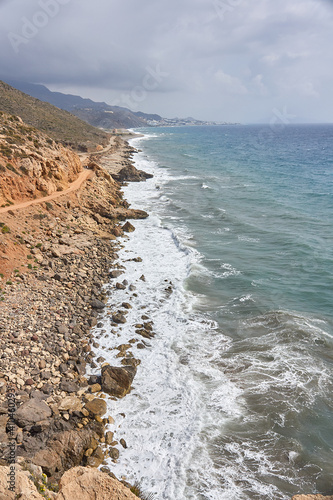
96,459
109,437
120,286
123,443
119,318
95,388
115,274
128,227
117,381
131,174
97,304
114,453
94,379
96,407
126,305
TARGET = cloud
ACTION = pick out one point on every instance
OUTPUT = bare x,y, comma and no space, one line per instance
230,84
261,53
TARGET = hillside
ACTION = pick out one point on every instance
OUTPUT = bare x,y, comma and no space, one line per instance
32,165
98,114
57,123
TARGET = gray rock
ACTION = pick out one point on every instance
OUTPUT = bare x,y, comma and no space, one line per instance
115,274
68,386
32,412
97,304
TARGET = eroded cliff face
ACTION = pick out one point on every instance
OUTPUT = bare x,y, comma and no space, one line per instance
31,164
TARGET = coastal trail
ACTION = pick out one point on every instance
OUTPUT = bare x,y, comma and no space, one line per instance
83,176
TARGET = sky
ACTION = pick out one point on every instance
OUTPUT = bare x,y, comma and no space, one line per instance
248,61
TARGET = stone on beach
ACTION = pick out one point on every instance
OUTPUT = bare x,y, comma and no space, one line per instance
32,412
117,381
96,407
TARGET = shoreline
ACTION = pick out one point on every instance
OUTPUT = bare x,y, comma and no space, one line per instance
56,302
48,314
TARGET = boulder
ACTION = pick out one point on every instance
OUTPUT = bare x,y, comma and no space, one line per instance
96,407
66,449
32,412
131,174
97,304
69,386
128,227
96,458
115,274
118,317
85,484
114,453
117,381
70,403
49,460
312,497
25,489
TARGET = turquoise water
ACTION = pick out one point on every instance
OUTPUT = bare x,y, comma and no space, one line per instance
264,210
233,398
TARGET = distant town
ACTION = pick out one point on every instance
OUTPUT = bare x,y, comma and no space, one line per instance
176,122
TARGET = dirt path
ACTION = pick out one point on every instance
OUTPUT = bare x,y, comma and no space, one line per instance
83,176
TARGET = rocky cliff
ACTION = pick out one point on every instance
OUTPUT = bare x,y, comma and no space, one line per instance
32,165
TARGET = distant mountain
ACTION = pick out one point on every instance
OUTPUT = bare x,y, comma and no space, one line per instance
101,114
98,114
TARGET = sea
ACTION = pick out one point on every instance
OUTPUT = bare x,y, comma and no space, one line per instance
233,399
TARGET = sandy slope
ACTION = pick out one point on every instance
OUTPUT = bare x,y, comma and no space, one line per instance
83,176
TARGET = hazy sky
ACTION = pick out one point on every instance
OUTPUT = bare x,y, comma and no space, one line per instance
233,60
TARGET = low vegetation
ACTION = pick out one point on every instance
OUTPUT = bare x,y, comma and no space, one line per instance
60,125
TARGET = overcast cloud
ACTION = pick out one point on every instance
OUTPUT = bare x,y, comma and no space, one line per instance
233,60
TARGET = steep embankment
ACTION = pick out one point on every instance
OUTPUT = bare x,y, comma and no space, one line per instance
58,124
32,165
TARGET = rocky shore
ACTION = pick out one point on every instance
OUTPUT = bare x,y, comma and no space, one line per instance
54,259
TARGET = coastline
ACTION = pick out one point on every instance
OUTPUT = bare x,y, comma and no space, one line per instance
94,260
48,311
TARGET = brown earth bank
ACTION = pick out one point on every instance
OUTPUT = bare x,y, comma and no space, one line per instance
55,257
312,497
